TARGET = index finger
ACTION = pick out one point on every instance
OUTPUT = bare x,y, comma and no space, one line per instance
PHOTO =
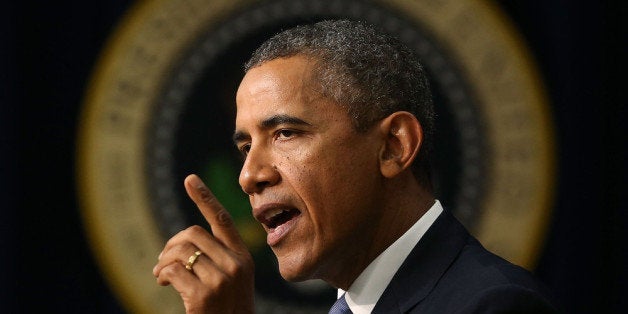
217,216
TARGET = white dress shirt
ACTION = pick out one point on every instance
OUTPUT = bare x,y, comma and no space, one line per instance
370,285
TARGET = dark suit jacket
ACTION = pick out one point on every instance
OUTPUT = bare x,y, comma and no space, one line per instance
449,271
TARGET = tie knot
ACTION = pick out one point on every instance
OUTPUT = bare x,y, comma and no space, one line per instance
340,307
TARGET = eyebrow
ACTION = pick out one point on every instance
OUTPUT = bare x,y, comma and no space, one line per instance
269,123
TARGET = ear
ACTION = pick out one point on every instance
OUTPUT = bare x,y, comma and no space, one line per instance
403,138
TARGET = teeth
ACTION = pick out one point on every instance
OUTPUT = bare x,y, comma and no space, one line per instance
273,213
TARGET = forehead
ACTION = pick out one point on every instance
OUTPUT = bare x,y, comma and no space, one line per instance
279,86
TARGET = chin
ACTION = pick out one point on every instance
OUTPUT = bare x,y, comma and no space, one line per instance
293,269
292,277
292,274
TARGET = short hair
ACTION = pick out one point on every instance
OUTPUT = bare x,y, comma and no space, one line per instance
363,69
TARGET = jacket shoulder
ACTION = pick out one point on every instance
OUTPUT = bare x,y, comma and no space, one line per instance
479,281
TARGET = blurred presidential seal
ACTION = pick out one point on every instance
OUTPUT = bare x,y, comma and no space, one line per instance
161,106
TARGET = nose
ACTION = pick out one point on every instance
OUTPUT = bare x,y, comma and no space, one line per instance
258,172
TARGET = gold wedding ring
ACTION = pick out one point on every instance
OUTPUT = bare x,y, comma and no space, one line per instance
192,259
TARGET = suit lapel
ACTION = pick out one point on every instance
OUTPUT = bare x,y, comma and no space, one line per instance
425,265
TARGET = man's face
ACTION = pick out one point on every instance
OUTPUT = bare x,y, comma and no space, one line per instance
313,181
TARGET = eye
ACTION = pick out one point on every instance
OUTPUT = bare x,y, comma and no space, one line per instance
245,148
285,134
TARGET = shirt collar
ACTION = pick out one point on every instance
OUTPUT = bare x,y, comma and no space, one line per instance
370,285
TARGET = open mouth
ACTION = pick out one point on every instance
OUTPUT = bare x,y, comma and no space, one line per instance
274,218
278,220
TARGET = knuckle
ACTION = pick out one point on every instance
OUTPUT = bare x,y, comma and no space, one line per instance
206,196
175,248
196,231
221,281
224,218
233,269
183,249
173,240
163,278
246,260
240,267
168,271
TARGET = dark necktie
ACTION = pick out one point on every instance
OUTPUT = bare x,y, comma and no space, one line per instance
340,307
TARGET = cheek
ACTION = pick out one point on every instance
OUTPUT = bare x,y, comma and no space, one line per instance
333,181
298,164
329,175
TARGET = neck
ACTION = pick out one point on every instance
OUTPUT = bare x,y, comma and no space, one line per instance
405,202
408,202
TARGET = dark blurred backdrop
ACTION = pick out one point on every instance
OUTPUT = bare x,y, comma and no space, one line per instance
47,53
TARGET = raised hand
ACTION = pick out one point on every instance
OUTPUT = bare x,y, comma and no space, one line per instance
212,273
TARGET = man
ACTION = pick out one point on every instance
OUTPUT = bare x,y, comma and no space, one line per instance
335,124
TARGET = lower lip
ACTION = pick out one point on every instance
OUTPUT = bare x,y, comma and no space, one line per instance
276,234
